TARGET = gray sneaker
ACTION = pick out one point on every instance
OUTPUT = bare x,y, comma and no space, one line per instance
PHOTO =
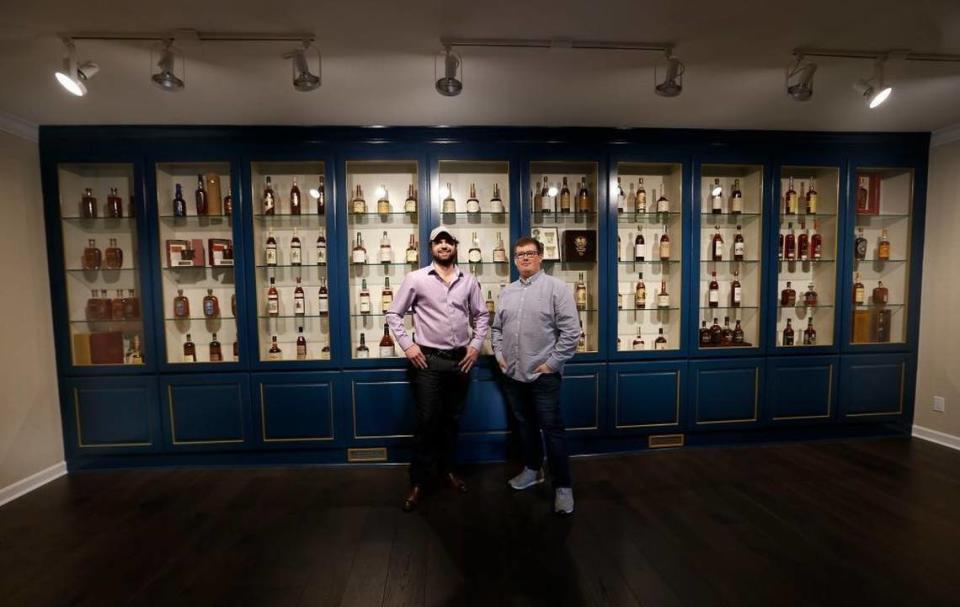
563,502
526,479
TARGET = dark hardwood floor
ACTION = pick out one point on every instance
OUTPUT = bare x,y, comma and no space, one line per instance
870,522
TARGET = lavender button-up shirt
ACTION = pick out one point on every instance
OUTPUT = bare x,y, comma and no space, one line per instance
441,311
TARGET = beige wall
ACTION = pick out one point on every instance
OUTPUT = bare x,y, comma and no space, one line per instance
938,371
30,435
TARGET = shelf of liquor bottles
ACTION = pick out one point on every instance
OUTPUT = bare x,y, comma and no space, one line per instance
730,207
100,254
383,210
196,256
564,217
648,198
883,200
806,247
290,232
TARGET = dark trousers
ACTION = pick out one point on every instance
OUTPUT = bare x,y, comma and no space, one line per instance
536,406
440,391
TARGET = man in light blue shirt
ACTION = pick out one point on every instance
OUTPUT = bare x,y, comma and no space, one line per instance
534,332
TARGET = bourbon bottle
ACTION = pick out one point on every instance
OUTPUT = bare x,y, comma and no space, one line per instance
92,257
809,334
736,198
383,201
665,245
714,295
716,198
473,203
736,291
364,300
791,205
116,306
88,205
413,255
449,204
663,298
883,246
211,305
726,334
295,202
386,296
362,350
359,253
580,293
640,294
716,248
216,350
228,205
803,245
859,293
639,246
323,298
273,298
816,243
584,201
131,306
386,343
812,198
638,341
179,204
274,353
270,251
661,342
189,350
321,249
788,297
269,198
716,332
790,244
565,206
641,207
321,196
739,245
358,205
299,301
738,334
201,196
114,204
410,204
496,202
860,246
880,294
181,305
704,335
296,249
810,297
113,256
863,194
788,334
301,345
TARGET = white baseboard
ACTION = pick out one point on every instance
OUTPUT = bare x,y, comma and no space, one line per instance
34,481
941,438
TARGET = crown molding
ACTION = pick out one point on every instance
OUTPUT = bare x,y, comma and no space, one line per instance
18,127
946,135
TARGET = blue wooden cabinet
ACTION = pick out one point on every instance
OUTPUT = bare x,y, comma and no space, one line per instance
647,397
116,415
260,410
208,411
725,394
876,387
802,389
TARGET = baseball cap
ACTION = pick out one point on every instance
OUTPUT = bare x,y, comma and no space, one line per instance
442,229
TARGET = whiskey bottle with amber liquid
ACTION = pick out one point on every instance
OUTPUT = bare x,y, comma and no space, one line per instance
321,195
713,297
859,292
386,252
88,205
716,198
641,207
788,297
113,256
812,198
790,244
181,305
736,290
321,249
638,340
580,293
179,204
189,350
787,339
803,244
738,334
790,200
449,204
383,201
496,202
301,345
639,246
663,298
704,335
809,334
131,306
386,296
386,343
296,206
739,245
810,297
274,353
200,195
410,204
211,305
363,302
116,306
92,257
883,246
114,204
473,203
565,206
860,246
296,249
359,253
716,248
736,199
816,243
299,301
716,332
323,298
880,294
412,254
358,205
661,342
362,350
273,298
270,250
665,245
640,294
216,350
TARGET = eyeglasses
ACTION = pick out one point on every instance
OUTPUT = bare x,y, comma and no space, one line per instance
526,254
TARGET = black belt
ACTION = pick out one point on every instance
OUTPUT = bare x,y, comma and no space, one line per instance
454,354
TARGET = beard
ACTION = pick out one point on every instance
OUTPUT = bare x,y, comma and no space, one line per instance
446,263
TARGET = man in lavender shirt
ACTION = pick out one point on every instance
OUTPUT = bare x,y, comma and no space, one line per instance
445,301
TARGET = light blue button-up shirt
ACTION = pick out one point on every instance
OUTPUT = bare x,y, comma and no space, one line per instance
536,323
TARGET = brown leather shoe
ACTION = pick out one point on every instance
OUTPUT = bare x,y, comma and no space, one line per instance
412,499
456,483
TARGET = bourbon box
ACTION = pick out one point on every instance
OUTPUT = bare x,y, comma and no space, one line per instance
221,252
863,326
81,349
185,253
106,348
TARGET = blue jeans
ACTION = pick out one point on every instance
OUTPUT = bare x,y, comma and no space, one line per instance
536,406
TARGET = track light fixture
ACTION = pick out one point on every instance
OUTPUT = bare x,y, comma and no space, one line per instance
166,79
73,75
451,83
672,84
303,80
800,78
874,90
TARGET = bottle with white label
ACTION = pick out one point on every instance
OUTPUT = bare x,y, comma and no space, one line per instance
321,249
271,249
736,290
663,298
640,294
323,297
449,203
738,245
582,341
273,298
638,340
386,344
362,350
641,198
661,342
359,254
665,245
413,255
410,204
386,253
358,205
663,203
299,302
499,252
621,198
714,291
473,203
639,246
580,293
364,301
383,202
736,198
301,345
474,255
496,203
386,295
274,352
716,198
296,249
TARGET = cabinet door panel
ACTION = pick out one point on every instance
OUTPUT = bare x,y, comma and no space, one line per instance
209,411
111,414
802,389
874,386
647,396
725,393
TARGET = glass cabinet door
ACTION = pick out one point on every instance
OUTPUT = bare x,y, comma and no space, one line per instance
383,215
881,268
564,218
100,249
196,262
290,236
648,197
474,202
806,257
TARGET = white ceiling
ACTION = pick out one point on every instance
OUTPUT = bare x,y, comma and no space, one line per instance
378,63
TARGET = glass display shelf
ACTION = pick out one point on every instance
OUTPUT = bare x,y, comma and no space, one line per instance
206,202
654,262
97,212
871,306
735,191
650,309
808,208
208,318
648,217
